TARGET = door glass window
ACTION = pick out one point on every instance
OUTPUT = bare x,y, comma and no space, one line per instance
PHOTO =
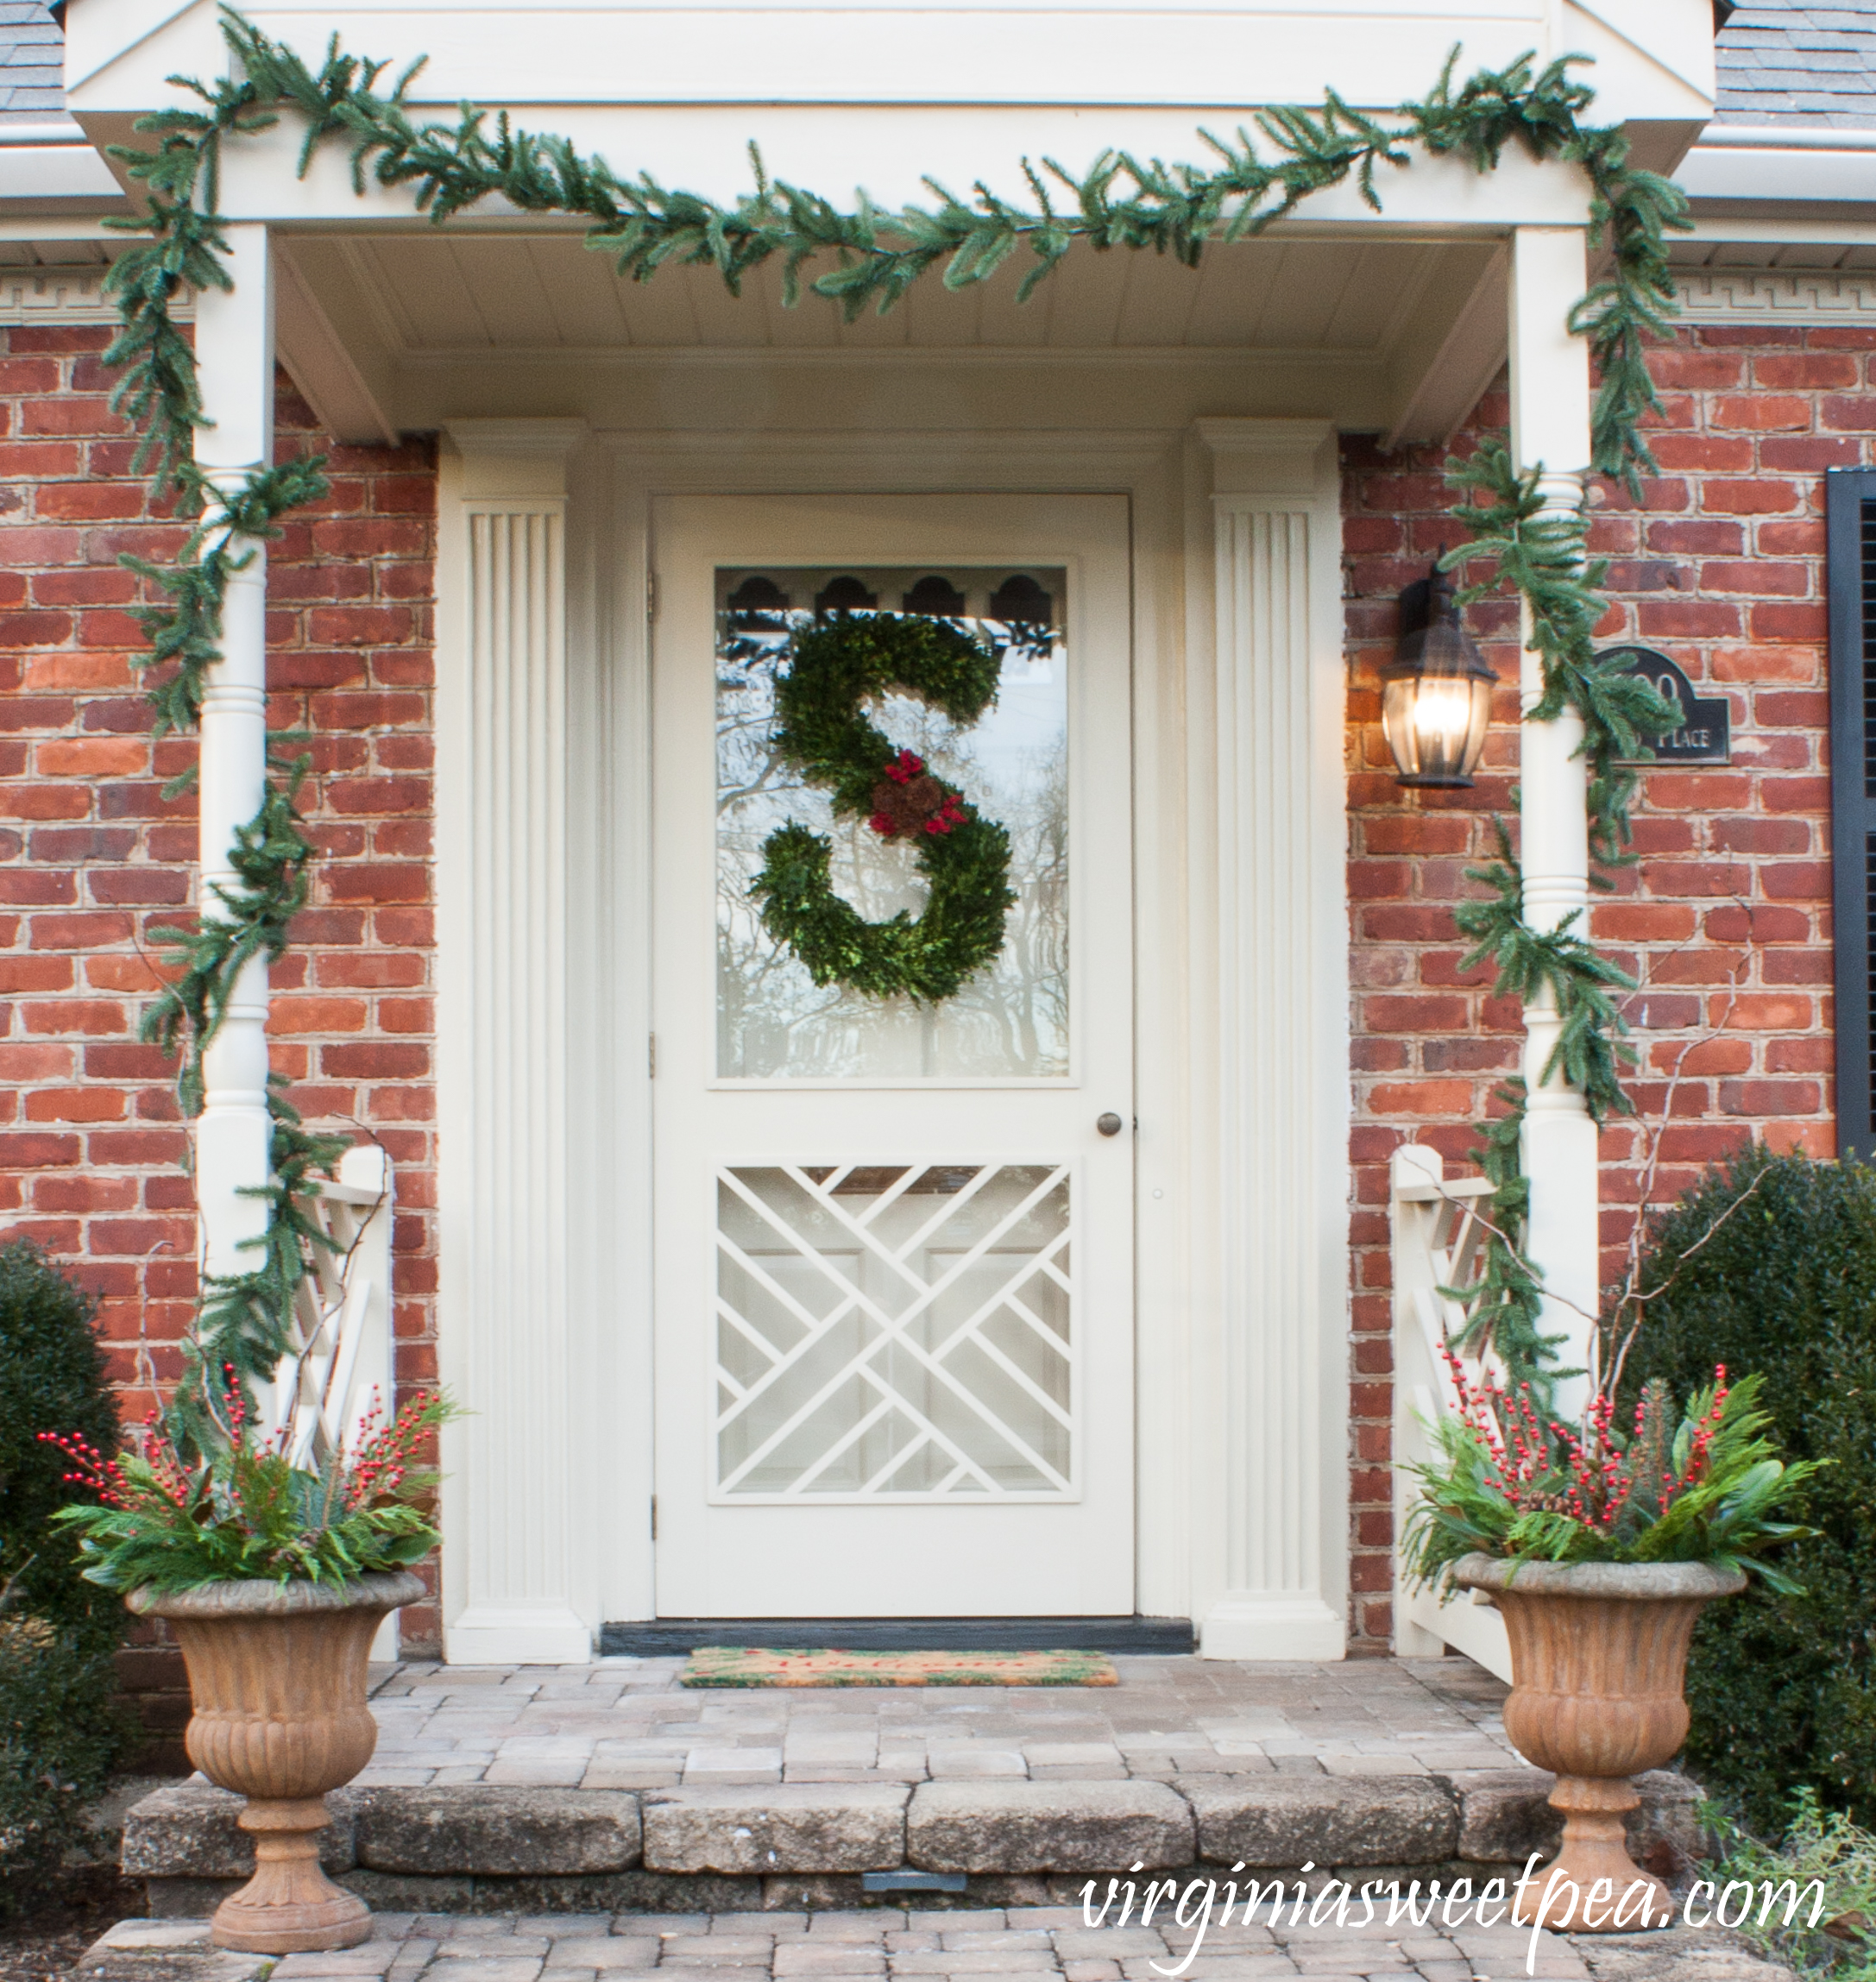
1011,1020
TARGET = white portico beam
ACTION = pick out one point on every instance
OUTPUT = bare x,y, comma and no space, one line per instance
1549,429
233,343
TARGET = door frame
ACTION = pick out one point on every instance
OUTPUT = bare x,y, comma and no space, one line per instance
1241,1334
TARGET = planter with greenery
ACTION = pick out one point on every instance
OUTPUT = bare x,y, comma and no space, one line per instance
1599,1544
273,1577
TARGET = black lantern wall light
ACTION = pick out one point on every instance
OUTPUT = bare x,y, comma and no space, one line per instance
1436,693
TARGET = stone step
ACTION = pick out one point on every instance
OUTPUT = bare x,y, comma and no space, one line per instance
476,1847
981,1944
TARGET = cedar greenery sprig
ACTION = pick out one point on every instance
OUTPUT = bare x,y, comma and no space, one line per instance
1120,201
159,388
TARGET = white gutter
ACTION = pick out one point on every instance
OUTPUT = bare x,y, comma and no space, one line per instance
54,130
1748,162
1783,137
52,160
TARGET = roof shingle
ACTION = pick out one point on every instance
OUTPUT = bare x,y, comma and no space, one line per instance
32,63
1781,62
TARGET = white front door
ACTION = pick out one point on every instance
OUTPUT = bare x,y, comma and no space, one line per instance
894,1245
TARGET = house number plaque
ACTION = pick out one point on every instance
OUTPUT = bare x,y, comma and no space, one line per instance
1705,734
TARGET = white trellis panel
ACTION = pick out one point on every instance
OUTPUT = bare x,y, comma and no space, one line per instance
339,1367
1437,1238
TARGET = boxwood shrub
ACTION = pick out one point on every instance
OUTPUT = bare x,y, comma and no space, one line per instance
1783,1690
59,1731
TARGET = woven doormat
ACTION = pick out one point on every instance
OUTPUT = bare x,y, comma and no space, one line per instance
737,1665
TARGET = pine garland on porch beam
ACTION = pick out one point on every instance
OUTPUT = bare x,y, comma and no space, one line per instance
1121,201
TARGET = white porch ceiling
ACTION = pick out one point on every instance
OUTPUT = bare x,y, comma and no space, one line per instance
478,294
1397,333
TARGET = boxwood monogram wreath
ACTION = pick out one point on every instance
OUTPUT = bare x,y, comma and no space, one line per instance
876,256
831,671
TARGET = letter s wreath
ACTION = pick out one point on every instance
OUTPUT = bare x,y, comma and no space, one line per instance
832,670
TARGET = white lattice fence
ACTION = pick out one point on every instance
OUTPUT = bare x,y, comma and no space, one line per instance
341,1365
1436,1237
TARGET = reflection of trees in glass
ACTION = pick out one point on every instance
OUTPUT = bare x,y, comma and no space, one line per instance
1021,1008
1010,1020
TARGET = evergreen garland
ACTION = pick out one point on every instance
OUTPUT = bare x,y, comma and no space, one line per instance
1121,201
186,635
244,1318
1590,1043
269,858
819,730
1542,557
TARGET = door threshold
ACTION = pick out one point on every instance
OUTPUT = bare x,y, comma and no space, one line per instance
670,1637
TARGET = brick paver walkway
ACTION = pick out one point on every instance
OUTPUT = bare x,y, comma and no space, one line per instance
626,1724
1029,1944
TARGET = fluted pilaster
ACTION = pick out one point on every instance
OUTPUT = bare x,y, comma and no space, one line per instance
509,1581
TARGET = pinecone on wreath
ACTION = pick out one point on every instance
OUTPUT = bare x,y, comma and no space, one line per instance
905,807
909,800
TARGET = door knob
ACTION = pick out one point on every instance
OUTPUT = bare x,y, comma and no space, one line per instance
1109,1124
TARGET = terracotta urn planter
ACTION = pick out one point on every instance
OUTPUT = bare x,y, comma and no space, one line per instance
1598,1661
277,1680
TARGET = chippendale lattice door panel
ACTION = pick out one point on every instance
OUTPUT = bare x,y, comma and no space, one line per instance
894,1250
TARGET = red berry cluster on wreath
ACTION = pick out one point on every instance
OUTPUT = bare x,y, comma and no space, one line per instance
950,813
927,804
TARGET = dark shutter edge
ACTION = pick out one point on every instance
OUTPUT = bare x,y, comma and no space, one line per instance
1852,816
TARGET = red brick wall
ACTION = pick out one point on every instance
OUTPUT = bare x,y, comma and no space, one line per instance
93,857
1726,920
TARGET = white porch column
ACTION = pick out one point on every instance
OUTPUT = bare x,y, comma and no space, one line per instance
1275,1069
233,343
512,1591
1550,425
